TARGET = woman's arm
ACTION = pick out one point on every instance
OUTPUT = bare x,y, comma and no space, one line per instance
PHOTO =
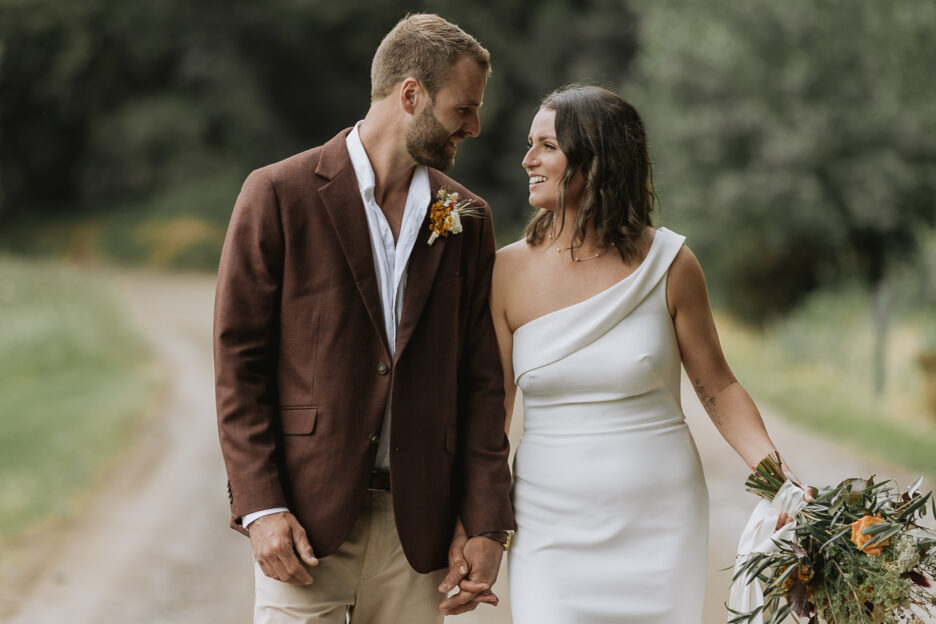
725,400
499,289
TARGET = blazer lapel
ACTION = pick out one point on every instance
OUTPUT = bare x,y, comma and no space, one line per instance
342,200
423,265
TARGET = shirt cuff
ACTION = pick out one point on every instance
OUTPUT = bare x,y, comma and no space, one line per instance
248,518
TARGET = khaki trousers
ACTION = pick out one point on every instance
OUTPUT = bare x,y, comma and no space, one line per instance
366,581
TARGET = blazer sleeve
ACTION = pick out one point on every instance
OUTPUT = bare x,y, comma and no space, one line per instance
246,339
485,505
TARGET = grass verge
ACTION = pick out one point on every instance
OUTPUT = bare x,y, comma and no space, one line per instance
815,367
181,228
74,381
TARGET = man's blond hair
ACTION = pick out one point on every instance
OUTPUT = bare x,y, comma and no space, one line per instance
422,46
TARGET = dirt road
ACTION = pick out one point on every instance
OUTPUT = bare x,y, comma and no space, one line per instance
152,547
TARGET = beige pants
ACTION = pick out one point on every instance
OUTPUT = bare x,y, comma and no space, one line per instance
366,581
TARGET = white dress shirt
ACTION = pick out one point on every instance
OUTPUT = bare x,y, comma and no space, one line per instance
391,261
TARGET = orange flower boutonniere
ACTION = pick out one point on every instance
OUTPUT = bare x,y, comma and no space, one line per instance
446,213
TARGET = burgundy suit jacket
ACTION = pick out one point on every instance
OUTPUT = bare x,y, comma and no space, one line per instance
303,371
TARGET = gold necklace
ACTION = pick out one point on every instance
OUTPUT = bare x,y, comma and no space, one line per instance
574,258
577,259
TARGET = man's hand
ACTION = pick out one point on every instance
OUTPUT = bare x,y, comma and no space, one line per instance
480,558
276,540
471,593
458,567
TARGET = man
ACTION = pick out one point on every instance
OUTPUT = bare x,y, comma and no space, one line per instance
359,392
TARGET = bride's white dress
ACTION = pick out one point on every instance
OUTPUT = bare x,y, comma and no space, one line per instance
610,499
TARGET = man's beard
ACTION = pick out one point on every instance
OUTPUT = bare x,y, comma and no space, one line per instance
427,141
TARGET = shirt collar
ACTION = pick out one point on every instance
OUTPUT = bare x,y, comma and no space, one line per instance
419,186
359,160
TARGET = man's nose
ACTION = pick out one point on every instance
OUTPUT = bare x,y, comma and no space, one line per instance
472,128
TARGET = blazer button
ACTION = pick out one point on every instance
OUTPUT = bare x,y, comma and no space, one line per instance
382,369
374,439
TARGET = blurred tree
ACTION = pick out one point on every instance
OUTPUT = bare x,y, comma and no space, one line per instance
105,103
794,140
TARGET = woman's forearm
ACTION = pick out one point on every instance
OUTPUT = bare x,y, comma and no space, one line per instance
734,414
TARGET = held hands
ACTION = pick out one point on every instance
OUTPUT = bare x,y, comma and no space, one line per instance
473,567
279,542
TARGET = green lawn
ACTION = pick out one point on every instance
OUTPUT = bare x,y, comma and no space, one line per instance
74,381
815,367
182,228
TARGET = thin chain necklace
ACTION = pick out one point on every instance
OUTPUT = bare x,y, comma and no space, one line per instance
576,258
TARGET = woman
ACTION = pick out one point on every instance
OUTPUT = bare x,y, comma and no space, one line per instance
595,310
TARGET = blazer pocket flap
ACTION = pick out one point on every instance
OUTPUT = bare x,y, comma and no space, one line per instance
451,439
298,420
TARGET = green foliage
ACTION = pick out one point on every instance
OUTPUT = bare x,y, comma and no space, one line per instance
74,380
767,477
105,102
813,367
791,139
105,105
181,228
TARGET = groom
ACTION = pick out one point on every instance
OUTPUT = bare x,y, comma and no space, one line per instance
359,390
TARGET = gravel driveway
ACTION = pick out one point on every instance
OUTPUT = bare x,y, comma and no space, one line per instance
152,546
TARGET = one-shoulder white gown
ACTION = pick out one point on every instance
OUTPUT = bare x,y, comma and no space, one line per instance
610,499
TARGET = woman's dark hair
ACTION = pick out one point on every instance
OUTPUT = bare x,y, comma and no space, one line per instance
602,136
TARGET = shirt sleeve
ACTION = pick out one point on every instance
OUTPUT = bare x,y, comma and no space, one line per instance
249,518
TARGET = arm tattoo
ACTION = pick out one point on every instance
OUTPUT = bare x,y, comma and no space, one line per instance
708,401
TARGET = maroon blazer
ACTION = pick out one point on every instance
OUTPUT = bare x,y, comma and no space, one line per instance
303,371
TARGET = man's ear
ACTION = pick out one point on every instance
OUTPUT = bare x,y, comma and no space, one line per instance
411,94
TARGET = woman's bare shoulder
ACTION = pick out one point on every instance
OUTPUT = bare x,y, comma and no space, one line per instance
685,285
512,263
685,266
514,249
514,255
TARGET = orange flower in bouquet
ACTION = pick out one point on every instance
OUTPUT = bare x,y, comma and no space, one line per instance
860,539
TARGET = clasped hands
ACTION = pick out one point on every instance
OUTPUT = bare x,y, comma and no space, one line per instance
280,547
473,567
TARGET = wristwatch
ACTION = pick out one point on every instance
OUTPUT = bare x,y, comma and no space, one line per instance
501,537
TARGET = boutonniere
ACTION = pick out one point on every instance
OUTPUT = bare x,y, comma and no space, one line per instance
446,213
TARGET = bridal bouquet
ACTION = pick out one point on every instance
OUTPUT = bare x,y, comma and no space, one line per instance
854,554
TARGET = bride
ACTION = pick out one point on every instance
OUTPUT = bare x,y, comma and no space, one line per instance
595,310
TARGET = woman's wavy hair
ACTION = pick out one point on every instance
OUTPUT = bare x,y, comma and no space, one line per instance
602,136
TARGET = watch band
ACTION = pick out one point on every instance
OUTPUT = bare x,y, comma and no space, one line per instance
501,537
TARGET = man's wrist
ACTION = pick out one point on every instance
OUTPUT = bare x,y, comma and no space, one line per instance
501,537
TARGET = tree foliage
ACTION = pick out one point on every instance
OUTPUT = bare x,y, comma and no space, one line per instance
793,140
106,102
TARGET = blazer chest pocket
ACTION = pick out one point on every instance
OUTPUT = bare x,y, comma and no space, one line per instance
298,420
